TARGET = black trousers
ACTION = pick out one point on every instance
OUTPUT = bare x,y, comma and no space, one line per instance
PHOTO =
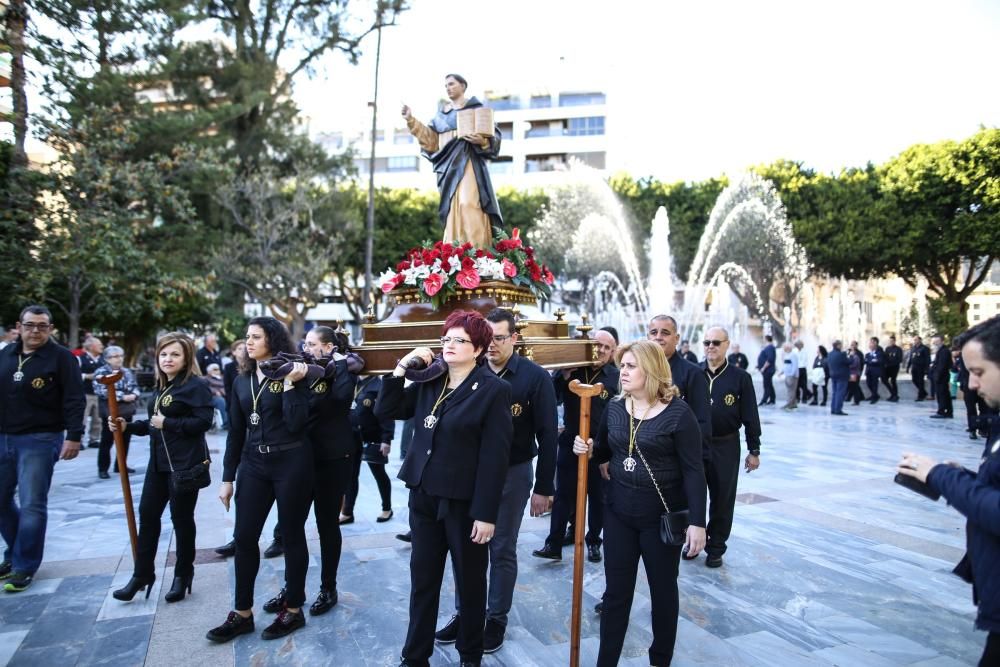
769,395
378,472
631,534
872,381
918,381
943,395
826,390
564,503
802,390
332,479
975,407
991,652
722,473
854,392
440,527
156,494
889,380
107,442
286,477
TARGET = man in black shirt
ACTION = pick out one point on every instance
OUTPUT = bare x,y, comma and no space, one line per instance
766,364
941,378
91,359
536,430
566,461
737,358
917,365
734,404
893,360
687,353
208,354
41,420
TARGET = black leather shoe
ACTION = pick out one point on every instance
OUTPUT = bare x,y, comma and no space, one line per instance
570,537
286,623
227,550
383,519
404,537
274,549
714,560
103,474
548,551
6,569
275,604
234,626
973,436
449,633
493,636
134,585
325,601
178,588
594,553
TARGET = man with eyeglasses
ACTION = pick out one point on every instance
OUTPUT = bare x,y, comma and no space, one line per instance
734,405
533,411
41,421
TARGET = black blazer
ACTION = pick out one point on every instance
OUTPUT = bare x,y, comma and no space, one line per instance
366,425
941,366
329,423
465,455
188,412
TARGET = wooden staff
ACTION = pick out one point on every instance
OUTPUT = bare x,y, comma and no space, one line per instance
109,381
585,392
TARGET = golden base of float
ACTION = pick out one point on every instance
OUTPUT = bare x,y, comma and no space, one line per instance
415,322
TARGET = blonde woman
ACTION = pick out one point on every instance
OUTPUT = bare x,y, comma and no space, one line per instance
651,442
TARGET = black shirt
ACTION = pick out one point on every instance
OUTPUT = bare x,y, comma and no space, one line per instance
920,358
734,404
607,375
206,358
284,417
690,380
536,421
670,442
363,420
329,414
739,360
188,411
48,399
893,357
89,366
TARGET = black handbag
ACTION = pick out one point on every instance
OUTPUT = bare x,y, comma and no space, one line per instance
191,479
673,525
372,453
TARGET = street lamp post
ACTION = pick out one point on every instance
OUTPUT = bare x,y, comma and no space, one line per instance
370,222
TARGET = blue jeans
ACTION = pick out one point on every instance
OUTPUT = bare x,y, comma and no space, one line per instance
26,464
838,395
220,405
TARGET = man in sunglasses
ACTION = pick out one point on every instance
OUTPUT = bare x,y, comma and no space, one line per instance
41,421
734,404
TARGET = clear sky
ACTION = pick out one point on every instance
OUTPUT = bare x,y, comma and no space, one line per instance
696,89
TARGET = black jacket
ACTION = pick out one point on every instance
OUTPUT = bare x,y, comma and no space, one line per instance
188,412
690,380
920,358
329,414
284,419
941,367
89,366
206,357
734,404
739,360
838,365
363,420
607,375
977,496
465,455
48,399
893,357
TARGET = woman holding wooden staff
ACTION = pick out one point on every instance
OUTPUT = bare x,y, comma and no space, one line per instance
653,444
178,418
455,469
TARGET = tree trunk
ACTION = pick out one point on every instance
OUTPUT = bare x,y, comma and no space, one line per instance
74,315
16,20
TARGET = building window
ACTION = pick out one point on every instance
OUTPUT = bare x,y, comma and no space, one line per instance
538,129
504,165
402,137
589,125
535,163
505,103
379,135
541,101
403,163
506,130
580,99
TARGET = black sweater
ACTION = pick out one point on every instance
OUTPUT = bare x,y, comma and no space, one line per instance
48,399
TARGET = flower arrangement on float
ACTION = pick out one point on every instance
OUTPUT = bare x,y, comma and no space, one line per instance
441,269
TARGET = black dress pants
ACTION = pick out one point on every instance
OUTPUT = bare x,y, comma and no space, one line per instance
802,390
991,652
381,480
889,380
156,494
440,527
722,473
107,442
564,503
872,380
918,381
769,395
286,477
332,479
943,395
826,391
634,532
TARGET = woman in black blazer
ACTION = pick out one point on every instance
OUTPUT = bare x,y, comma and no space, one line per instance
179,416
455,469
268,442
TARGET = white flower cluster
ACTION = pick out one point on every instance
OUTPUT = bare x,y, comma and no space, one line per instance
488,269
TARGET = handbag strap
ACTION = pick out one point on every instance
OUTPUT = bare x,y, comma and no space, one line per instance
652,477
163,437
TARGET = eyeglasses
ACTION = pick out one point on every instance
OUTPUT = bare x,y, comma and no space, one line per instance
499,339
713,343
456,340
35,326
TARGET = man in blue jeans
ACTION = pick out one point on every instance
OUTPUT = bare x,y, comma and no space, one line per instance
41,421
840,372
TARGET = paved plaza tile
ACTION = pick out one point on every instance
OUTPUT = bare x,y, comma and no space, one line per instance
830,563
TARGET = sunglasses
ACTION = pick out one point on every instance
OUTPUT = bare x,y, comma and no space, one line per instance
713,343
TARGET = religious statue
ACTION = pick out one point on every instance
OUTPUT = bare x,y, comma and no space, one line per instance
458,142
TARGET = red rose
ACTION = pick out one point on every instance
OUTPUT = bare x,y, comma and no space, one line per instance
548,277
509,269
480,253
433,284
468,278
468,263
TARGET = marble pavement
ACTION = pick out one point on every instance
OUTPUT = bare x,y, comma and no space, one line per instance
830,563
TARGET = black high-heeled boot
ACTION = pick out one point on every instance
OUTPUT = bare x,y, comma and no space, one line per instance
134,585
176,592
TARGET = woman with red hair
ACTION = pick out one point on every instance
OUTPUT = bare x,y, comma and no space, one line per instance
455,469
